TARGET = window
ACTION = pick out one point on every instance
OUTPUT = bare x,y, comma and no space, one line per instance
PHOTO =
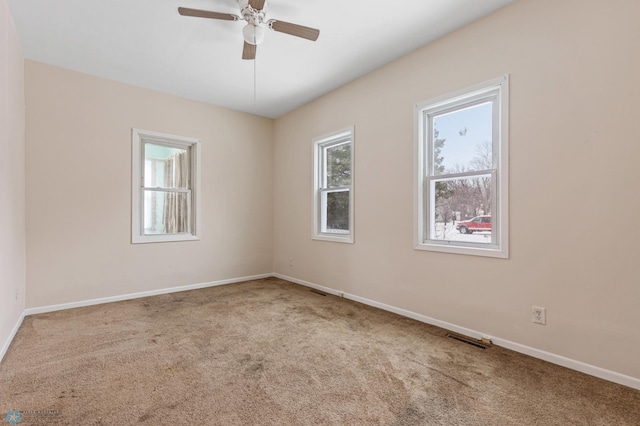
462,171
333,187
165,204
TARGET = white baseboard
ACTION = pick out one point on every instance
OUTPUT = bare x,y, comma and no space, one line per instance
582,367
572,364
6,345
52,308
309,284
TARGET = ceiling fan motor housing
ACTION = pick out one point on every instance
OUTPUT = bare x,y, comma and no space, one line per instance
251,15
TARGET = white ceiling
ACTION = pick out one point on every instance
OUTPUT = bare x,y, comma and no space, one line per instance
146,43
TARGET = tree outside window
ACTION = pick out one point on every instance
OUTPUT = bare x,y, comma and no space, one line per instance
333,187
462,171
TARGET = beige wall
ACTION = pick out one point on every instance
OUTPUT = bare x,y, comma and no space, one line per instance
575,85
574,177
12,164
79,190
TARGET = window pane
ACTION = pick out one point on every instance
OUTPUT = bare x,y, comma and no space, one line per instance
335,212
166,167
166,212
338,165
462,209
462,140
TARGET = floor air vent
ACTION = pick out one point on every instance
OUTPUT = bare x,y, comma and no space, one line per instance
468,341
318,292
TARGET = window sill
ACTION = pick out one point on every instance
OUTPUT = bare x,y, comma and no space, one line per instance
491,251
147,239
348,239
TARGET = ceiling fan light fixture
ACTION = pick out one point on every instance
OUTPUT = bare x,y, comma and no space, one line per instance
253,34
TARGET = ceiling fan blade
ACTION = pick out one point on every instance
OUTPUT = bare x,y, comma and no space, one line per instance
249,51
185,11
294,29
257,4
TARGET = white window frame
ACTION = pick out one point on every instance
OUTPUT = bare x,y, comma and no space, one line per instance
139,138
497,89
319,179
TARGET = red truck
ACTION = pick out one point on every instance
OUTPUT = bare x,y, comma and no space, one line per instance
478,223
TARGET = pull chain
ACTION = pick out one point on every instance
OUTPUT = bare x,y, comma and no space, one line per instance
255,107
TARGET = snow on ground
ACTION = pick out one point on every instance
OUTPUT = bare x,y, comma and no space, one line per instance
450,233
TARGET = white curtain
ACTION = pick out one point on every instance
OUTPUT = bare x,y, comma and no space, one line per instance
176,209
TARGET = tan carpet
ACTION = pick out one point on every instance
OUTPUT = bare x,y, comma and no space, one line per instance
269,352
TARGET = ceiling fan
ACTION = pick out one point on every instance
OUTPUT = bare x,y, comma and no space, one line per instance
253,12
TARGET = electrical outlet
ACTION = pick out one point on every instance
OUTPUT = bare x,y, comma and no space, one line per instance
291,261
539,315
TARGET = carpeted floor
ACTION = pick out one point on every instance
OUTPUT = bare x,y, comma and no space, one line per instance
269,352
